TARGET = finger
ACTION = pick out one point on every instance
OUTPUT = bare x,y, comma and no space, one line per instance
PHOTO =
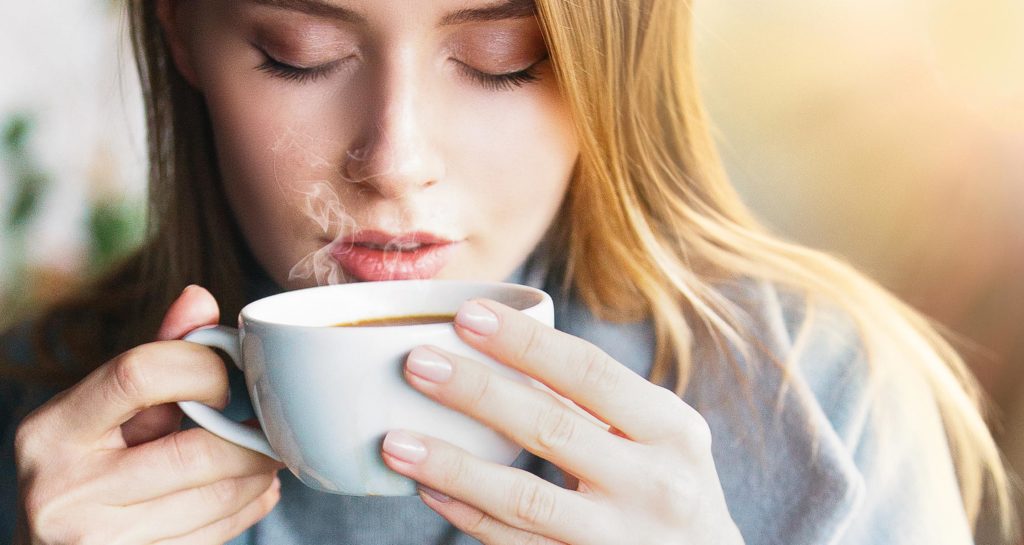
180,461
152,423
571,367
530,417
194,308
143,377
228,528
513,496
478,524
189,510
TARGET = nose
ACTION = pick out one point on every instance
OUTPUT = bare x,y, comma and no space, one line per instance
394,152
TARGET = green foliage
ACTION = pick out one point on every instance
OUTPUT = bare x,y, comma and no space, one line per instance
29,187
114,228
16,132
29,180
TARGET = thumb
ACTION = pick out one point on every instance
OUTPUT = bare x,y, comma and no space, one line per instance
194,308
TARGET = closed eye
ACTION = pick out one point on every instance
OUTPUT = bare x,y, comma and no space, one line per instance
298,74
503,82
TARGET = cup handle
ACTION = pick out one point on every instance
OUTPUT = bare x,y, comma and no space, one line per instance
226,339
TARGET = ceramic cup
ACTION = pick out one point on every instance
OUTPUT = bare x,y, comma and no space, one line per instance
325,396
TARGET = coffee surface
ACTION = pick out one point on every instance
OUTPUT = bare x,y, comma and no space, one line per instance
401,320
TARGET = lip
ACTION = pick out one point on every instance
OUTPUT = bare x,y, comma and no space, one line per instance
362,255
381,238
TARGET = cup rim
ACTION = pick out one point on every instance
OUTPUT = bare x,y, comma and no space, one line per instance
245,315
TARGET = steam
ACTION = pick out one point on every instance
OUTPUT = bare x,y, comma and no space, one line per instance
292,143
321,204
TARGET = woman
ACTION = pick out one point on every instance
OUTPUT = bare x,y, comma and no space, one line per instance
297,142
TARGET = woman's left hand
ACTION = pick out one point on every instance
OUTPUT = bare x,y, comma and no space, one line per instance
642,460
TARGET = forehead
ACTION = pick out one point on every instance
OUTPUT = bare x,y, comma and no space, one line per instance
449,13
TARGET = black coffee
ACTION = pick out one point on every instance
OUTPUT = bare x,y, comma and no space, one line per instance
401,320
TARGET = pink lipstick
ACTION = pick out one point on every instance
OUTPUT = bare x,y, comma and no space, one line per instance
372,255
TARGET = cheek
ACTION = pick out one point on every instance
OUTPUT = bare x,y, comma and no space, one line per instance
522,156
517,161
273,145
269,134
267,131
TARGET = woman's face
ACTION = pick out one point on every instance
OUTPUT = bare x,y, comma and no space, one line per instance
380,139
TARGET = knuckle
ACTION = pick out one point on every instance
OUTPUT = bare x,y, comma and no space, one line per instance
597,374
129,375
556,429
532,505
226,491
478,525
28,437
190,451
456,474
480,390
533,344
695,429
675,487
689,426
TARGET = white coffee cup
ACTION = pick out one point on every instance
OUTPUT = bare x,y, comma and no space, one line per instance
326,396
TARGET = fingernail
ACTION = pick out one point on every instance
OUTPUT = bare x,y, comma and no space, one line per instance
188,287
429,365
434,494
476,317
405,447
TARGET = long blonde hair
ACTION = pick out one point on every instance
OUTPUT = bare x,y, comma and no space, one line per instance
649,196
652,199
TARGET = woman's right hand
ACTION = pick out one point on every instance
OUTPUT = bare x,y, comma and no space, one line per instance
105,462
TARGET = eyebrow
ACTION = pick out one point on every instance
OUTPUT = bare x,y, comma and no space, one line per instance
315,7
507,9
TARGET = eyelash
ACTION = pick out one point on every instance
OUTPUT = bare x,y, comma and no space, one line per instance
296,74
503,82
493,82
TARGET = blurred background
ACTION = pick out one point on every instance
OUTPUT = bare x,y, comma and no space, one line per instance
888,132
72,148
